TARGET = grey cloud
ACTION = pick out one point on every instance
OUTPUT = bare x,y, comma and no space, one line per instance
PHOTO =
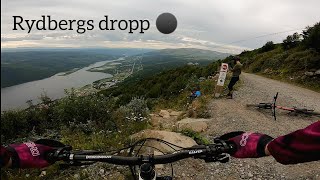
22,38
208,23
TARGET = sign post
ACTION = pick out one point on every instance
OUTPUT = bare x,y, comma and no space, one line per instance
222,77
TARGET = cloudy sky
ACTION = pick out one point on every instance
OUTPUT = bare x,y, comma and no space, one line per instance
221,25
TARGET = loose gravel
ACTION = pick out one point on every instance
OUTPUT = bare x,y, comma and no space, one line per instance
232,115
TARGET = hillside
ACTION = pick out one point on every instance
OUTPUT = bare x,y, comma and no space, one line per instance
296,60
161,86
144,65
295,65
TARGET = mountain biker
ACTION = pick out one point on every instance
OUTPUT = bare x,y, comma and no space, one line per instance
198,93
236,71
296,147
195,93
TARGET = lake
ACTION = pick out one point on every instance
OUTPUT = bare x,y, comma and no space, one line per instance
14,97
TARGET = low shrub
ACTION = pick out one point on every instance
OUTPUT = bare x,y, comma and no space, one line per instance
195,136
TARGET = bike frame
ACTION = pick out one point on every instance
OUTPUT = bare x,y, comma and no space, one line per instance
285,108
273,106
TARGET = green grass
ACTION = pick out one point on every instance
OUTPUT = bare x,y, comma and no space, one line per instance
285,65
195,136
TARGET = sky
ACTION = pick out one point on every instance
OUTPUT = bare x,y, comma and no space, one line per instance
222,25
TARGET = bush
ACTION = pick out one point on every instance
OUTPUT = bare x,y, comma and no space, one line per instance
302,60
207,87
85,113
195,136
83,109
13,122
291,41
311,37
136,110
267,47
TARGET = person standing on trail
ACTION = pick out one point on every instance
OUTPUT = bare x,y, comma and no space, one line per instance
236,71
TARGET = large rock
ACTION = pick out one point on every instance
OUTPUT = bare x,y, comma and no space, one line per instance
165,114
155,120
317,72
267,71
163,122
309,73
197,125
172,137
175,113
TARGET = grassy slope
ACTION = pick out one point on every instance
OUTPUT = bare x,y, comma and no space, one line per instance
285,65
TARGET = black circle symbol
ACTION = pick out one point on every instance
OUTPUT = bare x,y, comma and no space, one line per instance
166,23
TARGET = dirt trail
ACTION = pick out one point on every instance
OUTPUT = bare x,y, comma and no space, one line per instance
232,114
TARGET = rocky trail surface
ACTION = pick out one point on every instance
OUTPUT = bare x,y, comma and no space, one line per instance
232,115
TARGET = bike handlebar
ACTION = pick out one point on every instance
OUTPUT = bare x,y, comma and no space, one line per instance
210,152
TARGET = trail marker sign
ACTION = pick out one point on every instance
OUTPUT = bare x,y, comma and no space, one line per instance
222,78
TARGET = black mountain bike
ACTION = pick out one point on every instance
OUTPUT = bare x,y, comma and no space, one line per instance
143,166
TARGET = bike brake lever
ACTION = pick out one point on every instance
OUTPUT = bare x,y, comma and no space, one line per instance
222,158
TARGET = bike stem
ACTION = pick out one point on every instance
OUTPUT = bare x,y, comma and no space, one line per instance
147,172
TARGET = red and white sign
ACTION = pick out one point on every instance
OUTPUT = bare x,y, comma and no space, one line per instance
222,78
223,74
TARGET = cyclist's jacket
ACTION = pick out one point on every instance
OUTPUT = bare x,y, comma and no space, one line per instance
300,146
236,71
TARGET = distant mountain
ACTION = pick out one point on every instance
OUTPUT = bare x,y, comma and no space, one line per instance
165,59
169,58
189,54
